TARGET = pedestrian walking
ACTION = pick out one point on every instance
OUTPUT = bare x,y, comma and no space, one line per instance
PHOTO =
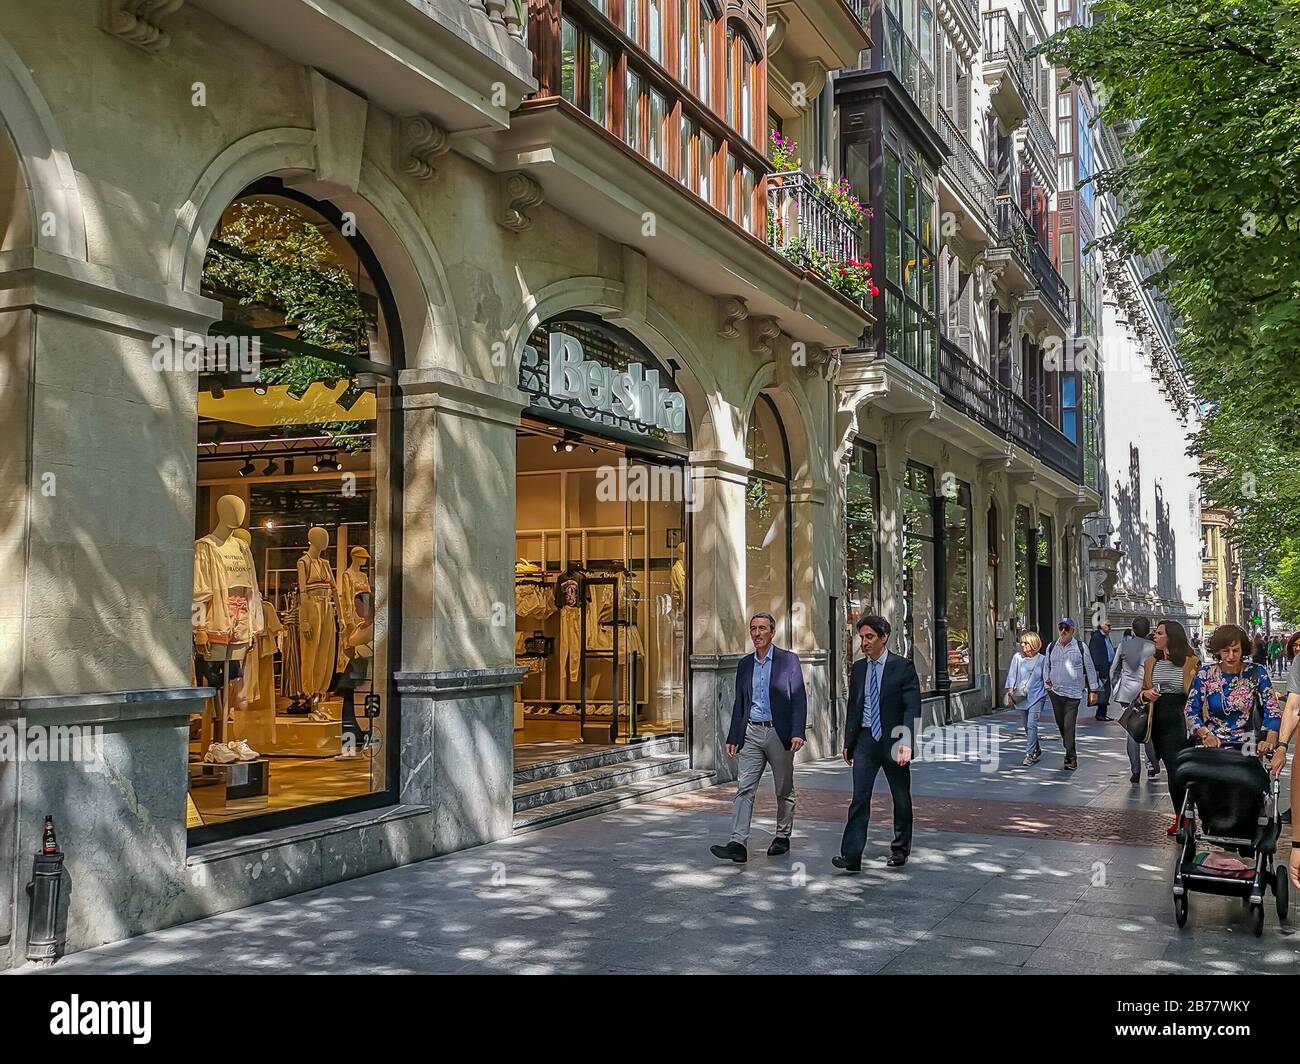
1275,653
1103,654
768,721
1026,691
1259,655
1127,676
1071,677
1167,678
883,718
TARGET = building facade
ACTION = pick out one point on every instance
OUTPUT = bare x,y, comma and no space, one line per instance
416,404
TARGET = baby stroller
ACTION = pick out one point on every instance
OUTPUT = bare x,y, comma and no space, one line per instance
1232,803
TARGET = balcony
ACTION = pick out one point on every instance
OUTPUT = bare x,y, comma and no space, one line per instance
904,60
826,33
1026,268
1009,75
980,396
805,225
969,178
444,59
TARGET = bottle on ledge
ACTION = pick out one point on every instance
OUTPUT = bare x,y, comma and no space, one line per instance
48,842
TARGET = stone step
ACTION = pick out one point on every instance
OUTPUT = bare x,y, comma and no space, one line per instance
602,778
603,801
581,762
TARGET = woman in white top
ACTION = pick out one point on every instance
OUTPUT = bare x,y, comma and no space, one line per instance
1026,691
1126,683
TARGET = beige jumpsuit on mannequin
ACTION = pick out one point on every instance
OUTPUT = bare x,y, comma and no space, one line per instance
317,616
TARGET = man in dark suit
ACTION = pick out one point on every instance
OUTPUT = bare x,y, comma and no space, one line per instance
767,728
883,717
1103,654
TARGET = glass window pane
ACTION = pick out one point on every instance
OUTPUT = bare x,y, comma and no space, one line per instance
654,29
568,60
684,42
730,94
685,171
632,110
892,193
731,186
655,126
707,150
631,18
748,185
893,233
909,200
598,77
957,572
893,324
705,87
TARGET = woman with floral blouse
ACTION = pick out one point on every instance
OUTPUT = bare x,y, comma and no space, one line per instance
1224,694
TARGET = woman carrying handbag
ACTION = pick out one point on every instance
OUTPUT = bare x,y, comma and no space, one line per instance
1127,679
1169,675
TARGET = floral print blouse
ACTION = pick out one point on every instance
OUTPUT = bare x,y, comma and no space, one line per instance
1222,702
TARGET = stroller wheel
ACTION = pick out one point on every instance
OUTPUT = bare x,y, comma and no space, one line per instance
1180,909
1281,890
1257,920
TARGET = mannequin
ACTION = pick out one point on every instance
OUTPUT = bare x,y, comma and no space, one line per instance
317,615
227,605
353,581
678,576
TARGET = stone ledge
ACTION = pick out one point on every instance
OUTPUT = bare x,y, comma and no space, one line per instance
227,849
452,682
717,662
105,706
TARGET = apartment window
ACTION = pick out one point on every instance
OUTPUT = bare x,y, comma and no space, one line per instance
598,84
705,64
631,19
684,42
686,141
654,30
708,151
1064,103
1070,406
739,104
1063,137
632,110
748,184
655,129
911,328
569,61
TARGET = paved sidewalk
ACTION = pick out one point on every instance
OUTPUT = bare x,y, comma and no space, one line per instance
1015,871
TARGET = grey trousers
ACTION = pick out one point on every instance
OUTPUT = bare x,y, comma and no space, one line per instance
763,747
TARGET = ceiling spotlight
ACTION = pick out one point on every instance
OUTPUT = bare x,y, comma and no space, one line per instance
288,467
297,391
269,525
259,388
330,463
215,387
351,395
247,469
271,468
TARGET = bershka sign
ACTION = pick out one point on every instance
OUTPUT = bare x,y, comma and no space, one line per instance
634,393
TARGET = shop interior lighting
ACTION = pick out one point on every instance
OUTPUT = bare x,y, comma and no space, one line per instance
271,468
247,468
297,391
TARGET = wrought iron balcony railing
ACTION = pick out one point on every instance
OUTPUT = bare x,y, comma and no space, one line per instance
1002,41
969,171
861,9
1016,232
803,222
979,395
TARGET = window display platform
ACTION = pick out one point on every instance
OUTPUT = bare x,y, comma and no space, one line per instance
293,782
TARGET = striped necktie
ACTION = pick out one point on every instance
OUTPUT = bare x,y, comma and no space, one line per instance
873,700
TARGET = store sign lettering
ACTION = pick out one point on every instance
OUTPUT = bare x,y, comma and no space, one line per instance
634,393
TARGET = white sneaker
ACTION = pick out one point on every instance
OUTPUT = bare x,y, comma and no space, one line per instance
220,754
245,752
319,716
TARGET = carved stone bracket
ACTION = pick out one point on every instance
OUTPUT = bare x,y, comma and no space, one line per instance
825,362
763,331
419,142
731,312
139,22
519,192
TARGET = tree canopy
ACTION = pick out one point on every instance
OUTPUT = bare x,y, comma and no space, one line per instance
1210,90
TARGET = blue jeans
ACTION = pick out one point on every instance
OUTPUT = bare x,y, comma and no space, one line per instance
1029,714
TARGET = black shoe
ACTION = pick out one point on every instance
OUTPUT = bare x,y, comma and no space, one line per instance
779,846
843,862
733,851
1152,773
1104,717
1071,763
1135,778
896,860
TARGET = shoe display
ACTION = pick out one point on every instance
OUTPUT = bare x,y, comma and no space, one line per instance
319,716
243,751
220,754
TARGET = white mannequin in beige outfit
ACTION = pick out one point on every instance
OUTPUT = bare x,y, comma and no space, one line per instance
317,615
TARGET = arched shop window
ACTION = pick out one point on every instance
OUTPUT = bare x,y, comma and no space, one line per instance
294,520
768,582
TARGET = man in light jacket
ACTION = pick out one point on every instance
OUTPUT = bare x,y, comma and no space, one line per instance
1071,676
1126,677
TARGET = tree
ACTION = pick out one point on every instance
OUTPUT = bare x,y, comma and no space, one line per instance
1209,89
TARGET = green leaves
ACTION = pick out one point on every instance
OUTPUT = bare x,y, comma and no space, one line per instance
1211,184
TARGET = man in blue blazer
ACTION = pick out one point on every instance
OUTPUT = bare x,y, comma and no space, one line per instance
883,717
768,720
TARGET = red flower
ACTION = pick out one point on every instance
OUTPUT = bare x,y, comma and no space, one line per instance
874,291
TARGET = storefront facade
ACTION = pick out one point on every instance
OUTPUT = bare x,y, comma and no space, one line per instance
321,564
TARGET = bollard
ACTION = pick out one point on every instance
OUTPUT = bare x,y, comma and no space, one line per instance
44,890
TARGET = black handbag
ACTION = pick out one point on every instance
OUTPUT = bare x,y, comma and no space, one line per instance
1137,722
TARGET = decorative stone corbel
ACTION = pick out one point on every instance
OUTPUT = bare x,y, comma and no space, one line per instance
731,312
763,331
419,141
519,192
825,362
139,22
